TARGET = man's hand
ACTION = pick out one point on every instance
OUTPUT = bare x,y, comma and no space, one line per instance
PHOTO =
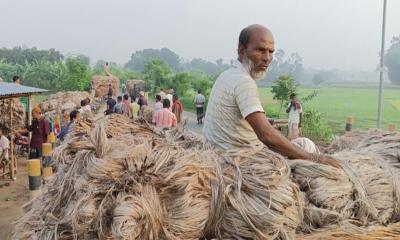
328,160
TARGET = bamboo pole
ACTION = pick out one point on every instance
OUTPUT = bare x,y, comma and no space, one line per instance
11,163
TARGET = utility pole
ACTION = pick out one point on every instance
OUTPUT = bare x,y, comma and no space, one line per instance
381,68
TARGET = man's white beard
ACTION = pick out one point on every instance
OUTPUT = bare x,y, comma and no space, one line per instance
250,67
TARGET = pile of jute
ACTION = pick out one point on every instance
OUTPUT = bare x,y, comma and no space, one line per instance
118,179
365,192
63,101
133,87
101,85
350,140
18,110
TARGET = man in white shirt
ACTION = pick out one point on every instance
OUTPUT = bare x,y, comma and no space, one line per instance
4,146
169,96
235,117
159,103
295,112
162,94
199,101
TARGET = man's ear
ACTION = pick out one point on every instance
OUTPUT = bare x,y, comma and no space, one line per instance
241,50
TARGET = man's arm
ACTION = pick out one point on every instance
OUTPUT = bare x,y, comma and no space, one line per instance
3,154
274,139
288,108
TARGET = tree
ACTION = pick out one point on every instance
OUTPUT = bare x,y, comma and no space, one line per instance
198,64
139,59
392,61
79,73
284,65
22,56
181,83
283,87
157,74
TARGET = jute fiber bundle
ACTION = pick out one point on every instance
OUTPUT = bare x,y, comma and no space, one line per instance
135,86
390,232
365,191
350,140
18,110
63,101
261,201
137,183
385,144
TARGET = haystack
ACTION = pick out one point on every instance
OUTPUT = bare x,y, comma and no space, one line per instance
18,110
100,84
124,180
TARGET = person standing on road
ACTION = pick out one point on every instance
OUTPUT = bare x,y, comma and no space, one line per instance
40,129
127,106
199,102
142,100
110,103
165,118
134,107
235,118
170,97
177,108
159,104
295,112
162,94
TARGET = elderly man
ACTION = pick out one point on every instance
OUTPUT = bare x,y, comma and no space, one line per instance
235,117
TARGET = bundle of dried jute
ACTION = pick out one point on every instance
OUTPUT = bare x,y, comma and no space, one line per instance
132,182
364,191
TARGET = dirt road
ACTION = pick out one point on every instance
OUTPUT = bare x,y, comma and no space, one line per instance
13,195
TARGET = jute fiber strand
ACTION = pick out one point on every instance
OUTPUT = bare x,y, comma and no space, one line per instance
261,201
350,140
119,179
390,232
385,144
364,192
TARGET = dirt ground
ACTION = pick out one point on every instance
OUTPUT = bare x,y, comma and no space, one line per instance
13,195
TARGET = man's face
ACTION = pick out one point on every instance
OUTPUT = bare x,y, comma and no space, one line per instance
258,53
35,115
78,117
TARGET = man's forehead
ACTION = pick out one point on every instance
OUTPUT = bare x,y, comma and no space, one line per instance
262,37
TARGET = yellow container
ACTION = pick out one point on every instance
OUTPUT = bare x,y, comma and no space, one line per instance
51,138
392,127
47,172
47,149
34,167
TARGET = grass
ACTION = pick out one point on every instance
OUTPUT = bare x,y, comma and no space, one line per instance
337,103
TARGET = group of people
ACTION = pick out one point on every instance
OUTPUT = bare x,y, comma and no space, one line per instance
126,105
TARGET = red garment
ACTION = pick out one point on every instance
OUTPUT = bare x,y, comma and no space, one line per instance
177,105
40,129
127,108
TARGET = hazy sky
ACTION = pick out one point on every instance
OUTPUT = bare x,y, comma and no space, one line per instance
342,34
